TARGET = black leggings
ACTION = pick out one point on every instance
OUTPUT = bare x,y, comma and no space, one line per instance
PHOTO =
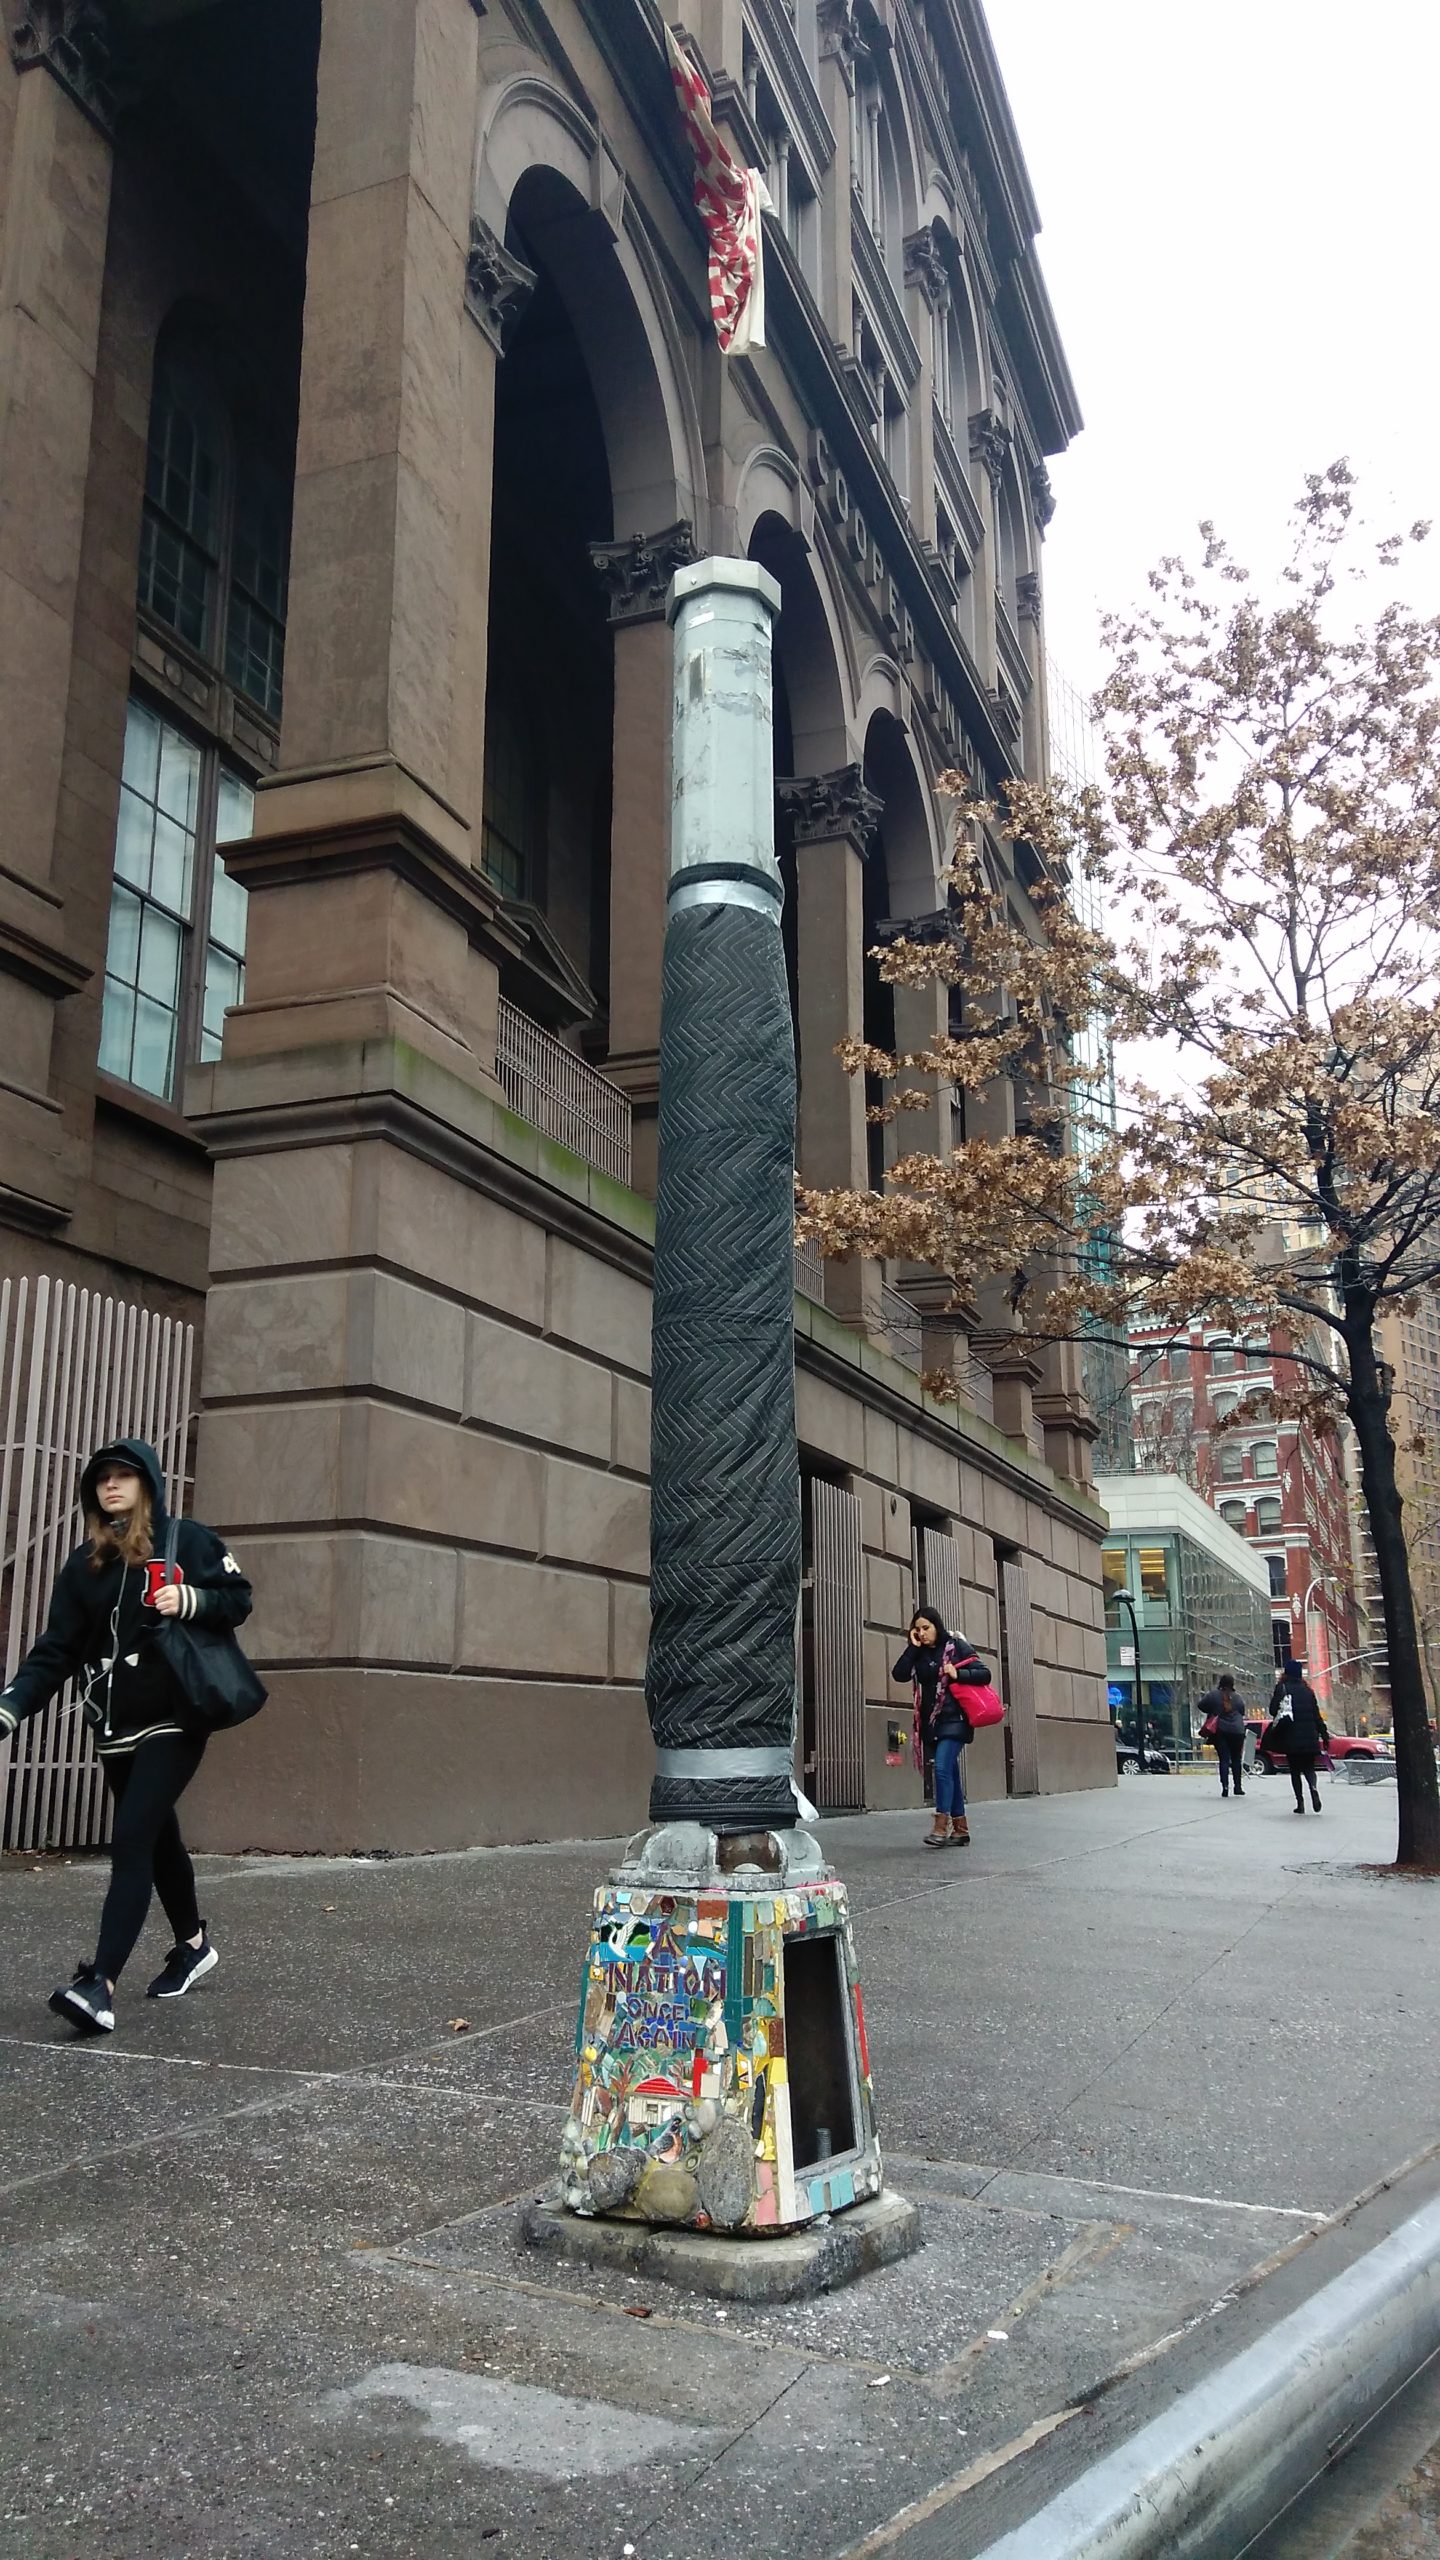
1302,1770
147,1853
1230,1749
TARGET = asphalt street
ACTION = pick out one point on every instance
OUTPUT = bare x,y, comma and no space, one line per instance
262,2294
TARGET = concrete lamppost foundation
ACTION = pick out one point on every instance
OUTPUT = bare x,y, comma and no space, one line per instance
722,2127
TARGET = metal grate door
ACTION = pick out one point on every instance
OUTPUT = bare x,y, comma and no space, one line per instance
837,1665
1019,1636
76,1369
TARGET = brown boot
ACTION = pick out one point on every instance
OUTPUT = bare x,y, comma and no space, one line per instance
959,1831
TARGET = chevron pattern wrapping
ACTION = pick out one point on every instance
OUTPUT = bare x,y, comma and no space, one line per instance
725,1493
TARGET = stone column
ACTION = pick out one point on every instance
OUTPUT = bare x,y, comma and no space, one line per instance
636,575
989,439
840,45
360,1251
55,173
927,298
369,916
834,818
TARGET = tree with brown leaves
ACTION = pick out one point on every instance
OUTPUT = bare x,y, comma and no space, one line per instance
1268,854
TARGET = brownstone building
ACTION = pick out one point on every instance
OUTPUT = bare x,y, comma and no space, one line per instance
358,397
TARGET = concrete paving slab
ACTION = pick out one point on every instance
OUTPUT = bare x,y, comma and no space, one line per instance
225,2213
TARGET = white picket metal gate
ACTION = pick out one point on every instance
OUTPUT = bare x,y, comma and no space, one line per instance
76,1369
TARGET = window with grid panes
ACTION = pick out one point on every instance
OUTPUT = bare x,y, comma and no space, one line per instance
213,568
176,952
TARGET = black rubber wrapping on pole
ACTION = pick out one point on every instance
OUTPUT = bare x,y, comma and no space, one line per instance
725,1489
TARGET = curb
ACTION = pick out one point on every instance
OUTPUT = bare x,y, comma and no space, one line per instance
1225,2460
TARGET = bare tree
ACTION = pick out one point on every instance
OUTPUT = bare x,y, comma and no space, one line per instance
1269,850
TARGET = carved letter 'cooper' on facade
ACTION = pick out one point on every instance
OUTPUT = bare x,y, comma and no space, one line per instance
497,285
826,808
636,573
75,40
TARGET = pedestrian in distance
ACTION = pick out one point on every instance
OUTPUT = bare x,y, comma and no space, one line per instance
110,1600
938,1666
1224,1712
1298,1729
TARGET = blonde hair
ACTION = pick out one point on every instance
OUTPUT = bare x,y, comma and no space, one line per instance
128,1538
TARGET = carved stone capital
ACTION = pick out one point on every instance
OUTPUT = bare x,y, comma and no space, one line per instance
1042,496
927,266
1027,596
76,41
497,285
990,443
636,573
830,808
840,37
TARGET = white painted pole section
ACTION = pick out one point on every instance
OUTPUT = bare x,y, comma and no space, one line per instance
1197,2483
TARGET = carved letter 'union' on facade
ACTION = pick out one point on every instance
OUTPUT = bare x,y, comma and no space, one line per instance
826,808
75,40
497,285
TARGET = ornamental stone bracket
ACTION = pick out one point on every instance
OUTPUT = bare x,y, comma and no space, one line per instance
840,37
1027,596
990,443
927,266
75,40
497,284
1042,496
636,573
830,808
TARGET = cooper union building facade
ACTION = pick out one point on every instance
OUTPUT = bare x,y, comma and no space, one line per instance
359,397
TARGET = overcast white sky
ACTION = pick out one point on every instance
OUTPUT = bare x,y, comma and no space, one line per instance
1239,209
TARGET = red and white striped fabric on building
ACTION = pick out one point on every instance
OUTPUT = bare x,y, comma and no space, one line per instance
730,201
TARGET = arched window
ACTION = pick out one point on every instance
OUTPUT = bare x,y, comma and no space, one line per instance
214,539
1222,1359
1224,1402
1232,1461
1233,1514
1267,1514
1265,1459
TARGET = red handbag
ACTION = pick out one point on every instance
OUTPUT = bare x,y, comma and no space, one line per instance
982,1704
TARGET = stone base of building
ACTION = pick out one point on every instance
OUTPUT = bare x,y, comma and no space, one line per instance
347,1762
785,2267
722,2077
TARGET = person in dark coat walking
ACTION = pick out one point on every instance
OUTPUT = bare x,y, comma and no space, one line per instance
1297,1728
1224,1712
104,1612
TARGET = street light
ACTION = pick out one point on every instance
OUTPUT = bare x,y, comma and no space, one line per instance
1125,1602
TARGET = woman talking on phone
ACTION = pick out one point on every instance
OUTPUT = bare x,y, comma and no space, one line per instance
111,1598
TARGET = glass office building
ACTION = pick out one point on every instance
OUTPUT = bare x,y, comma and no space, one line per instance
1201,1604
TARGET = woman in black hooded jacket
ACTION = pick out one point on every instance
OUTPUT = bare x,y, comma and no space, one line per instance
104,1612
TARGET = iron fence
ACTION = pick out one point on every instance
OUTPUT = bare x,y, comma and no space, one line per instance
556,1091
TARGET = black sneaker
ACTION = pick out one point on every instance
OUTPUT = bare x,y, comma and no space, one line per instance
184,1966
85,2002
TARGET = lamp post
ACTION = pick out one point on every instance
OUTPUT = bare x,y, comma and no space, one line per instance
1125,1601
722,2082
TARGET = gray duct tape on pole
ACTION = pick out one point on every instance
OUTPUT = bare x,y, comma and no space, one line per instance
725,1488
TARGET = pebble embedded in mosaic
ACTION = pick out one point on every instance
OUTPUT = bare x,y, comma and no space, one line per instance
682,2104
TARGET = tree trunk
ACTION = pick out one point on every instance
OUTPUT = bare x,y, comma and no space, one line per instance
1417,1779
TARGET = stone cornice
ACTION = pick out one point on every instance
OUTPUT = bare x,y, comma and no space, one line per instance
831,808
76,41
497,284
40,962
351,848
636,573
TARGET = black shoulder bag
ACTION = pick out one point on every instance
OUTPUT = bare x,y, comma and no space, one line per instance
218,1683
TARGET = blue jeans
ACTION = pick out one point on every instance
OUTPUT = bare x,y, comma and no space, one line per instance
949,1794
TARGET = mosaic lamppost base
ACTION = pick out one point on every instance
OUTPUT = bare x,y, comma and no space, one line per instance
722,2095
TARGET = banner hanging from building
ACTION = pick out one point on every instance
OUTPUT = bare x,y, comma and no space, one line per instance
730,201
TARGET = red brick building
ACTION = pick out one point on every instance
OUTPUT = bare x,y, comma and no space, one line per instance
1280,1484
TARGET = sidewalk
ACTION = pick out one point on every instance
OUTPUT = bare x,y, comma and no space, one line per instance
261,2293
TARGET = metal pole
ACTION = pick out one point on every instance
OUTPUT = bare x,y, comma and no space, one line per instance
725,1477
1126,1602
